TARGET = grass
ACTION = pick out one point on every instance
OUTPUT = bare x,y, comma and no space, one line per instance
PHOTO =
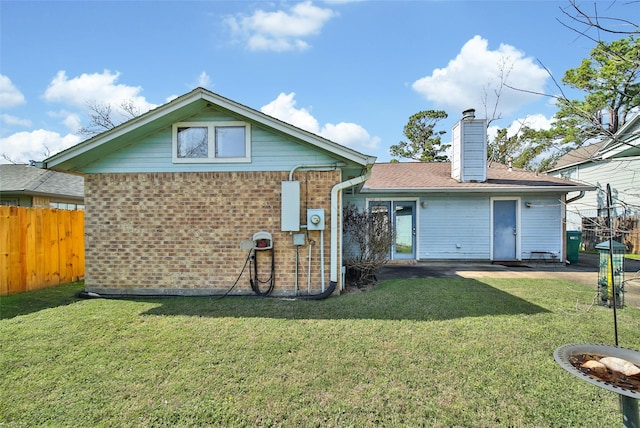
419,352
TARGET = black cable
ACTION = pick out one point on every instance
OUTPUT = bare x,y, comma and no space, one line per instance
90,295
255,281
237,279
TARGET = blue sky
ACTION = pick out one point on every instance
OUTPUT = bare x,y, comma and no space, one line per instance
351,71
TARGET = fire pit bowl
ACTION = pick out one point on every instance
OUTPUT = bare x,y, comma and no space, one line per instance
628,397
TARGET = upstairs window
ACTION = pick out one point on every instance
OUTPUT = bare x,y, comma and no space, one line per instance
211,142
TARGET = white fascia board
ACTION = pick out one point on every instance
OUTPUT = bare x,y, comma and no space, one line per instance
289,129
120,130
219,101
613,146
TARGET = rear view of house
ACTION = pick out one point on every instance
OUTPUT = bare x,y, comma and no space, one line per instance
204,196
469,209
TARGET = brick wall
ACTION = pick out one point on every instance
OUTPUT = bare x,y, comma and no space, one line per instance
181,232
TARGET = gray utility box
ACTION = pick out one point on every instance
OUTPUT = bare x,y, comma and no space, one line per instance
290,213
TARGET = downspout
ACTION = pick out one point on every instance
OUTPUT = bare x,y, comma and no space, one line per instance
575,198
335,192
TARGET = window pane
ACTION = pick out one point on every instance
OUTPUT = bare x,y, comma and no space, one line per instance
193,142
230,142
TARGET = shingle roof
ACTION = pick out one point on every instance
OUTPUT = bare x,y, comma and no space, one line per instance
579,155
436,176
32,180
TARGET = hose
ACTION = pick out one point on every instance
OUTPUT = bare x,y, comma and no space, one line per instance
321,296
83,294
255,281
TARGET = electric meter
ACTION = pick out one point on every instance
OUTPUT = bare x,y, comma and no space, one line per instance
315,219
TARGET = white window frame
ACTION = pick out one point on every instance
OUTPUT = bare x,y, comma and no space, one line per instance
211,135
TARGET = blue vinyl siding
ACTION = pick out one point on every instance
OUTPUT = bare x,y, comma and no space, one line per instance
458,226
541,225
455,227
270,151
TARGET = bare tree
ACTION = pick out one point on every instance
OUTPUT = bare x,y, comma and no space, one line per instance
579,16
45,154
504,70
102,116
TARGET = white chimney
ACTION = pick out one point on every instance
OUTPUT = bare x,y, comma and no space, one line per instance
469,148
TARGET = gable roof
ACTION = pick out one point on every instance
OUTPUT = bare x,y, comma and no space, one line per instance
626,141
30,180
625,144
434,177
177,110
579,156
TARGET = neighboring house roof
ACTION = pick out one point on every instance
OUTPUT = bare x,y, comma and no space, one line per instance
436,177
579,156
625,144
30,180
74,158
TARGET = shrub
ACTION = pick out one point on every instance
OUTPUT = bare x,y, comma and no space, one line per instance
367,243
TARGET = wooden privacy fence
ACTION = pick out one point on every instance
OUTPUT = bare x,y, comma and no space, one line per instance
626,229
39,247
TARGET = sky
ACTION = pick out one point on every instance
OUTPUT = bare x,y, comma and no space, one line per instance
350,71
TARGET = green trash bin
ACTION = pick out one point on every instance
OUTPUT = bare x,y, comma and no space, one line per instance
574,238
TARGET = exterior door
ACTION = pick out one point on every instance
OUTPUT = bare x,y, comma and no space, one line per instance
505,229
401,215
404,225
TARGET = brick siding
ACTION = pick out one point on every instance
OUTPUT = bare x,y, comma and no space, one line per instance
180,233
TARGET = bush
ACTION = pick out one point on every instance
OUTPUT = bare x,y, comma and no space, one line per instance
367,243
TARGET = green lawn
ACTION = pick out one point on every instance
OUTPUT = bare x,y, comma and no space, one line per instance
420,352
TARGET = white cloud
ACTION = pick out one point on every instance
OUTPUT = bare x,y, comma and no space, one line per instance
69,119
348,134
204,80
35,145
475,73
280,30
10,96
100,87
14,121
534,121
283,108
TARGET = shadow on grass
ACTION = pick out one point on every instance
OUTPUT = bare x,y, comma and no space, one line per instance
406,299
33,301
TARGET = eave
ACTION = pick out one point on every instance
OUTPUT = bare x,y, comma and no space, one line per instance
74,158
512,189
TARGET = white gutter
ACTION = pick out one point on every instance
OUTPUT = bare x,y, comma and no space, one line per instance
335,193
482,189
